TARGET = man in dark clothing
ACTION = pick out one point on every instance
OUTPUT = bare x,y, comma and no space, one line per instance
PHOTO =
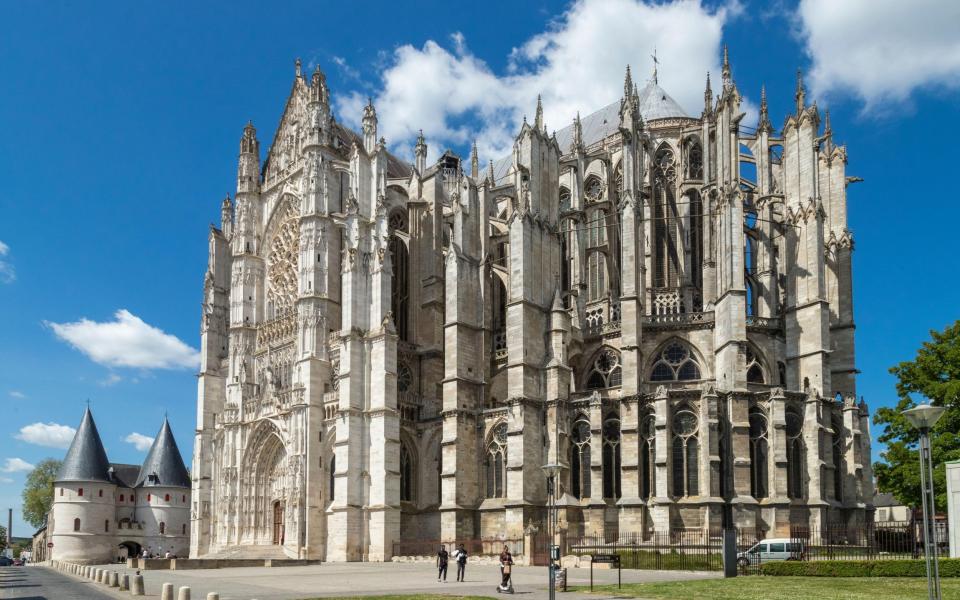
461,555
442,557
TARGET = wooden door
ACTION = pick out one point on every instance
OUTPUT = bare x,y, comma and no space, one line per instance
277,523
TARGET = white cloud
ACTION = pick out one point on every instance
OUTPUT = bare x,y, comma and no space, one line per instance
16,465
17,394
140,442
127,342
7,272
111,380
881,50
5,480
51,435
577,64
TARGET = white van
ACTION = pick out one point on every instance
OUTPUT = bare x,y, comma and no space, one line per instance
770,550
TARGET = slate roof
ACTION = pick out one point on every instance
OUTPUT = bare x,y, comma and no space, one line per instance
655,103
164,466
86,459
125,475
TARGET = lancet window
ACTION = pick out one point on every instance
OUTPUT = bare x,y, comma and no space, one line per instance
675,363
838,448
332,487
611,457
647,462
496,462
686,448
751,245
580,458
407,474
694,159
400,283
754,369
605,370
794,453
696,243
665,225
759,452
596,275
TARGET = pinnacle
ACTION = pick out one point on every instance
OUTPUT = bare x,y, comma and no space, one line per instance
627,83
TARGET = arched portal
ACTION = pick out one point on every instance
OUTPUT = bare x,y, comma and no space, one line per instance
269,485
128,549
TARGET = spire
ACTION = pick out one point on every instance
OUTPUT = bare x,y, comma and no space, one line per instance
627,84
490,172
163,466
827,130
727,78
655,63
420,153
474,161
763,124
296,68
801,94
538,119
86,460
248,142
708,96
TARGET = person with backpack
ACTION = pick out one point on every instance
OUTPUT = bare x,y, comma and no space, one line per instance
460,555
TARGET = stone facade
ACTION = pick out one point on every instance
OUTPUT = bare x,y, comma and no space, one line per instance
661,303
104,511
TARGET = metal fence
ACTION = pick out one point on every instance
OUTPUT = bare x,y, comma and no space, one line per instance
474,547
681,550
699,550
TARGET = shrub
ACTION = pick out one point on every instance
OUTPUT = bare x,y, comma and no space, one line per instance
949,567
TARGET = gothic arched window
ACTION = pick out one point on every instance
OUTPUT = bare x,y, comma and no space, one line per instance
580,458
838,447
696,242
611,457
605,370
759,451
568,231
407,474
686,447
596,228
754,370
564,199
794,453
694,159
593,189
675,363
496,462
596,275
400,283
647,462
665,226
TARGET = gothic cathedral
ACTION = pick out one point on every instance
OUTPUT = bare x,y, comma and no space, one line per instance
661,303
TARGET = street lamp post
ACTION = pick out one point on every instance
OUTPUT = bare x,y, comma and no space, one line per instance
923,417
552,471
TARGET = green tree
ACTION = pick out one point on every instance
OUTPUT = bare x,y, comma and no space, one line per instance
38,491
934,375
3,538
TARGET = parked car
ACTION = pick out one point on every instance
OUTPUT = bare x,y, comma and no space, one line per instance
17,562
5,562
771,550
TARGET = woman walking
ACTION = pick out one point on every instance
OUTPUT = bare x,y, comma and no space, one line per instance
506,568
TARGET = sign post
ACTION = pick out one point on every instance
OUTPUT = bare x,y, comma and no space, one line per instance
606,559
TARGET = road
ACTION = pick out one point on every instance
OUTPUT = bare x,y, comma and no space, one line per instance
38,583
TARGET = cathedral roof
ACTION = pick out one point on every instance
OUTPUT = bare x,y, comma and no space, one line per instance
164,466
655,103
86,459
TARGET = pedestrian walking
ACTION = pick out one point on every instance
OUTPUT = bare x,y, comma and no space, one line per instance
442,558
460,555
506,571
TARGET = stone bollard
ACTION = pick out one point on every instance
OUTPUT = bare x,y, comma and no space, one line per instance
124,583
104,577
167,592
136,585
95,574
213,596
114,579
183,593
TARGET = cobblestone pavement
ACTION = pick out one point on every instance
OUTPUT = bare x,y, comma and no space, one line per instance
371,579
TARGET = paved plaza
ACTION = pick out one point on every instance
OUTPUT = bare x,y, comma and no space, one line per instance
371,579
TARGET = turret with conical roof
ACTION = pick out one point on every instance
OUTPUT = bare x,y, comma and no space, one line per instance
86,459
164,466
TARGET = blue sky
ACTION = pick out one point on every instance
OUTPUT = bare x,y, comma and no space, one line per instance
119,125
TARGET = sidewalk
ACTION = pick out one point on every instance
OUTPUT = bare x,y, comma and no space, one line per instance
374,579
